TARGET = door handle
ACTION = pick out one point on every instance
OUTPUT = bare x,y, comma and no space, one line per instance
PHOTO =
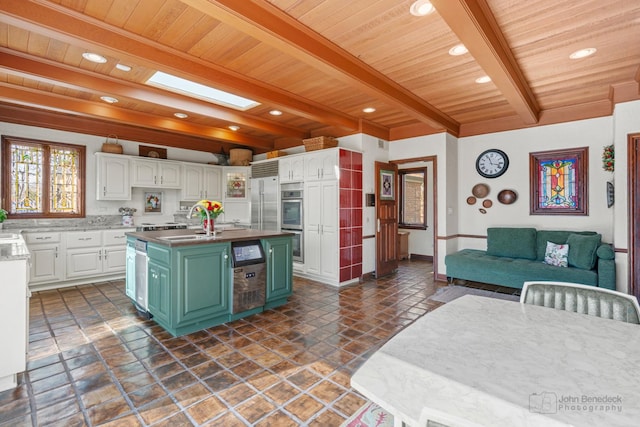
378,225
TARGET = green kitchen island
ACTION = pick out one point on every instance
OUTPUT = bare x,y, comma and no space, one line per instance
185,280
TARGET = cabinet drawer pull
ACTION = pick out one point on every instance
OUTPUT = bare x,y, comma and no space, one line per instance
119,237
44,238
85,238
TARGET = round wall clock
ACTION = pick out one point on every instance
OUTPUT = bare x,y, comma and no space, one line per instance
492,163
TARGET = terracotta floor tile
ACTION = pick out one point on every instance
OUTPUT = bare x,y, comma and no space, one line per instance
158,410
58,411
146,395
53,396
282,392
327,418
255,409
278,419
75,420
304,407
192,394
207,409
304,379
327,391
237,394
229,419
287,366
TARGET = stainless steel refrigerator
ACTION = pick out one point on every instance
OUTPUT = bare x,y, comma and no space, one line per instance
265,203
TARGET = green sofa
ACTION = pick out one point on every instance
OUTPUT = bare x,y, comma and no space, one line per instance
516,255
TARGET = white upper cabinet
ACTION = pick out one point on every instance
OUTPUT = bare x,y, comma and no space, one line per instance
321,165
112,177
155,173
291,169
201,182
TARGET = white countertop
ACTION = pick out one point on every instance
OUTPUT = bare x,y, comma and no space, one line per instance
12,247
486,361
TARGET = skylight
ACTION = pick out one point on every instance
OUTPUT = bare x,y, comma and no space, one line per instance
197,90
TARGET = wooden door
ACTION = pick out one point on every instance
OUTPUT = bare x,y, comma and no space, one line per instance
634,213
387,218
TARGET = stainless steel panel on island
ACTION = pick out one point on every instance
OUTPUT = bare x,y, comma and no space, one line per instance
190,276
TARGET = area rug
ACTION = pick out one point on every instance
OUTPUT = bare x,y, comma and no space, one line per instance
369,415
452,292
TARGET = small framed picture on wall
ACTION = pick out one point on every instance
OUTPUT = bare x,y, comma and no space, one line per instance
387,185
153,202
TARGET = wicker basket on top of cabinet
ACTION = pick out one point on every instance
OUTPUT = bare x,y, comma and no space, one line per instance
319,143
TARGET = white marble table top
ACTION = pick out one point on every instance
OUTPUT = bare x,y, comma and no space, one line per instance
480,361
12,247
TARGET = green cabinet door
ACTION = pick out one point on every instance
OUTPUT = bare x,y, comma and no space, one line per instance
159,292
130,271
279,270
203,274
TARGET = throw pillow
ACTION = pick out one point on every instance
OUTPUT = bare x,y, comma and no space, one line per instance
557,255
512,242
583,250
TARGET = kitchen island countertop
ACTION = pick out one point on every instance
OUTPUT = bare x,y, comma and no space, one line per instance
174,238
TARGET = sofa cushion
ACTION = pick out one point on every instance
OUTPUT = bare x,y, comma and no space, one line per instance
555,236
583,249
512,242
476,265
557,255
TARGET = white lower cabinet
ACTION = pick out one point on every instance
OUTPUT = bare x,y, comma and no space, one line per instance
46,264
76,255
92,253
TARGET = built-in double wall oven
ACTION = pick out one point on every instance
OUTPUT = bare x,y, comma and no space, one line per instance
293,216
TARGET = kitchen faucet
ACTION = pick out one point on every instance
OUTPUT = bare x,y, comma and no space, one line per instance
208,228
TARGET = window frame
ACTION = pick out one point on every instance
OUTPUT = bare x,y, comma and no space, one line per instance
401,192
7,141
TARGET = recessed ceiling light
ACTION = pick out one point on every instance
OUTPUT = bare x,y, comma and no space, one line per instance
196,90
369,110
583,53
275,112
458,50
234,128
109,99
181,115
483,79
421,8
94,57
123,67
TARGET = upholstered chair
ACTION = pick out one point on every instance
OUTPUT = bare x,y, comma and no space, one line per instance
582,299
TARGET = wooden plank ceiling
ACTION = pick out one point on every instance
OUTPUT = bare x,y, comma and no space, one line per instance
320,62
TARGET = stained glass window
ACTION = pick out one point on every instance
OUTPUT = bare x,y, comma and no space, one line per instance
559,182
42,179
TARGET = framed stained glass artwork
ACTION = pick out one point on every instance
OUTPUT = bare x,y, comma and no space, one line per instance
387,184
559,182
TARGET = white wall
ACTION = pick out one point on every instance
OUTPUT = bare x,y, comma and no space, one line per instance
94,144
517,144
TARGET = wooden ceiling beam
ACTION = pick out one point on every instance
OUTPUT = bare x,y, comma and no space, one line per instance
39,69
267,23
54,102
474,24
12,113
63,24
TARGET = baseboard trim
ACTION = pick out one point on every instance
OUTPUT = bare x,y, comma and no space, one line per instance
421,257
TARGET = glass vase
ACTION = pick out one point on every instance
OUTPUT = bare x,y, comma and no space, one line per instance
208,223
